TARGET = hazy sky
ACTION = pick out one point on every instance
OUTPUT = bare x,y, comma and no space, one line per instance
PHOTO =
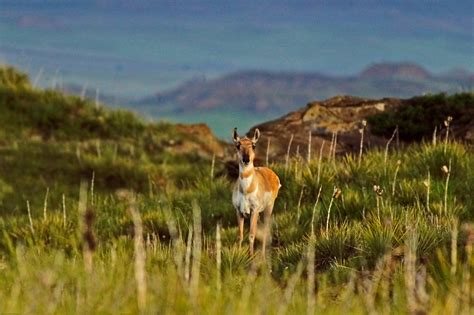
132,47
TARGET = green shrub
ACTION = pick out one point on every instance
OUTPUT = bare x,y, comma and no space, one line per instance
418,116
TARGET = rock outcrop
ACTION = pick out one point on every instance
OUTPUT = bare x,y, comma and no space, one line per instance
203,143
342,117
339,116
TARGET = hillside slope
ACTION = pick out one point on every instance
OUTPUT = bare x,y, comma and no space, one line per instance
49,142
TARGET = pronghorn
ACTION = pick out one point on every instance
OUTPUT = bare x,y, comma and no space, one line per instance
255,191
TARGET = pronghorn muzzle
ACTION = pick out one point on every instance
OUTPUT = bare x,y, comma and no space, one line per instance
246,159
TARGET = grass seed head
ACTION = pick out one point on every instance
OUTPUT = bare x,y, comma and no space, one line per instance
448,121
378,190
337,192
445,169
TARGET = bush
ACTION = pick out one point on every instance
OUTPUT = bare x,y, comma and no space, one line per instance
418,116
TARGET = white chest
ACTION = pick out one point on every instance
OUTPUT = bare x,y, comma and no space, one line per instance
245,182
246,203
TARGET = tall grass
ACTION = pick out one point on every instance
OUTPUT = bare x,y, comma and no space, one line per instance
399,255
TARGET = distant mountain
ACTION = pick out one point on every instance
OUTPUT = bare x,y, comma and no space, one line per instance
247,90
458,74
395,71
279,92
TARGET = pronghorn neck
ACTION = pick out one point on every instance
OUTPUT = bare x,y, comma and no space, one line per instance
246,173
246,170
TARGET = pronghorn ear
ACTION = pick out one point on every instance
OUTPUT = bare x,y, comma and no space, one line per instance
235,136
256,135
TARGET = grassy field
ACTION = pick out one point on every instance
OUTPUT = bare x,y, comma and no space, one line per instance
121,230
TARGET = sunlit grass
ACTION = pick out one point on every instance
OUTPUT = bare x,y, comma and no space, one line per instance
359,261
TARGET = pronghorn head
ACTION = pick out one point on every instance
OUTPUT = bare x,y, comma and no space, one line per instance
245,147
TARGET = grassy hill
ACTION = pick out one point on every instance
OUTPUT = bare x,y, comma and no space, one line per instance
50,142
154,230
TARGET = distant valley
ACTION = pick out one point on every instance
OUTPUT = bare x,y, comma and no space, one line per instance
277,92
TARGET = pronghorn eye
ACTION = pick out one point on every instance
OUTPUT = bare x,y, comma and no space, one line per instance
237,146
253,146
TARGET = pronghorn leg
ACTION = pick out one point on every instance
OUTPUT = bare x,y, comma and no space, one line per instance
267,227
240,221
253,229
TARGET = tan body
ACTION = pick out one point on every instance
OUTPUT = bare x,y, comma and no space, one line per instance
255,191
